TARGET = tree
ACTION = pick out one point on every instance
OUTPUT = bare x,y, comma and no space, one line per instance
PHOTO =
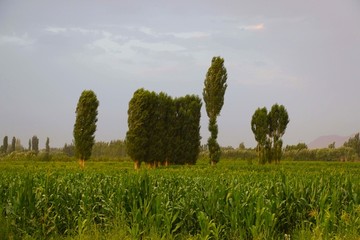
278,121
162,130
186,143
5,145
137,135
213,94
85,125
354,143
35,144
259,126
331,145
29,145
268,129
47,149
13,145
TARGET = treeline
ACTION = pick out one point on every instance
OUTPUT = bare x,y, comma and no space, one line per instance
16,146
350,151
15,149
162,129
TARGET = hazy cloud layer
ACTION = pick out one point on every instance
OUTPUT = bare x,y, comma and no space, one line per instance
302,54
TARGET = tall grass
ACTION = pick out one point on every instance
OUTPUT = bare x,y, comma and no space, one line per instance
231,201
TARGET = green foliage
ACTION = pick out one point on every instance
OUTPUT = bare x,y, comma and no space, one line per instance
233,201
298,147
354,143
112,149
85,124
162,129
13,145
343,154
4,147
213,95
186,127
259,126
35,144
69,150
268,128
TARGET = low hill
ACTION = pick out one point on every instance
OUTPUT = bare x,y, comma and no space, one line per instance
324,141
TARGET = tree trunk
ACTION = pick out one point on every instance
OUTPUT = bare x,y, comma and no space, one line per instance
136,165
82,163
213,163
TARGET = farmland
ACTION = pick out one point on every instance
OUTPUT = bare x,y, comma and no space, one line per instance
233,200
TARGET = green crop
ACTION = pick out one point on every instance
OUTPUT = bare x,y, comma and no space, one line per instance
233,200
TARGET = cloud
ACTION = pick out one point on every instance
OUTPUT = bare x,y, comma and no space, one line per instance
181,35
84,31
56,30
190,35
256,27
23,40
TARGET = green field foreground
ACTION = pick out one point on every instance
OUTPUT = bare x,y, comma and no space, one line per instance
233,200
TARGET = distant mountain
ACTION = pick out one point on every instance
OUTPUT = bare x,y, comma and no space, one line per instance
324,141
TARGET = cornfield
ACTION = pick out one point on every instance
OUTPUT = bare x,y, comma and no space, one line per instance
234,200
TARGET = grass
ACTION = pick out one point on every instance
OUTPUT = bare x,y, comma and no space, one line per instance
234,200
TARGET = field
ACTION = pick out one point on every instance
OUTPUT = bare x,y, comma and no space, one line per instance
234,200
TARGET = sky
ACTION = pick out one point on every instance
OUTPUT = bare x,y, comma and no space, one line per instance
304,55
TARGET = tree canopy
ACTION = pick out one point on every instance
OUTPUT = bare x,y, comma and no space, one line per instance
85,125
163,130
213,94
268,129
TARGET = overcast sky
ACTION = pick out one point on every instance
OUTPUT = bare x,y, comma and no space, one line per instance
302,54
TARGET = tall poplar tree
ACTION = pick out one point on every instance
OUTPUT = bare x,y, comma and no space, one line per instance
213,94
35,144
5,144
85,125
47,149
137,137
13,144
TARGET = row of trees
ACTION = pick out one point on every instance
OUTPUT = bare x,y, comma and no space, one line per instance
163,130
268,129
16,145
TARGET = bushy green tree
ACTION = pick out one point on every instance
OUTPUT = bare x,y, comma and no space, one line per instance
213,95
354,143
268,129
186,143
278,120
137,136
260,128
85,125
162,130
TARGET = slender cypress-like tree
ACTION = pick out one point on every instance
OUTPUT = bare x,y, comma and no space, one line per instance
47,149
35,144
85,125
213,94
13,144
5,144
137,137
